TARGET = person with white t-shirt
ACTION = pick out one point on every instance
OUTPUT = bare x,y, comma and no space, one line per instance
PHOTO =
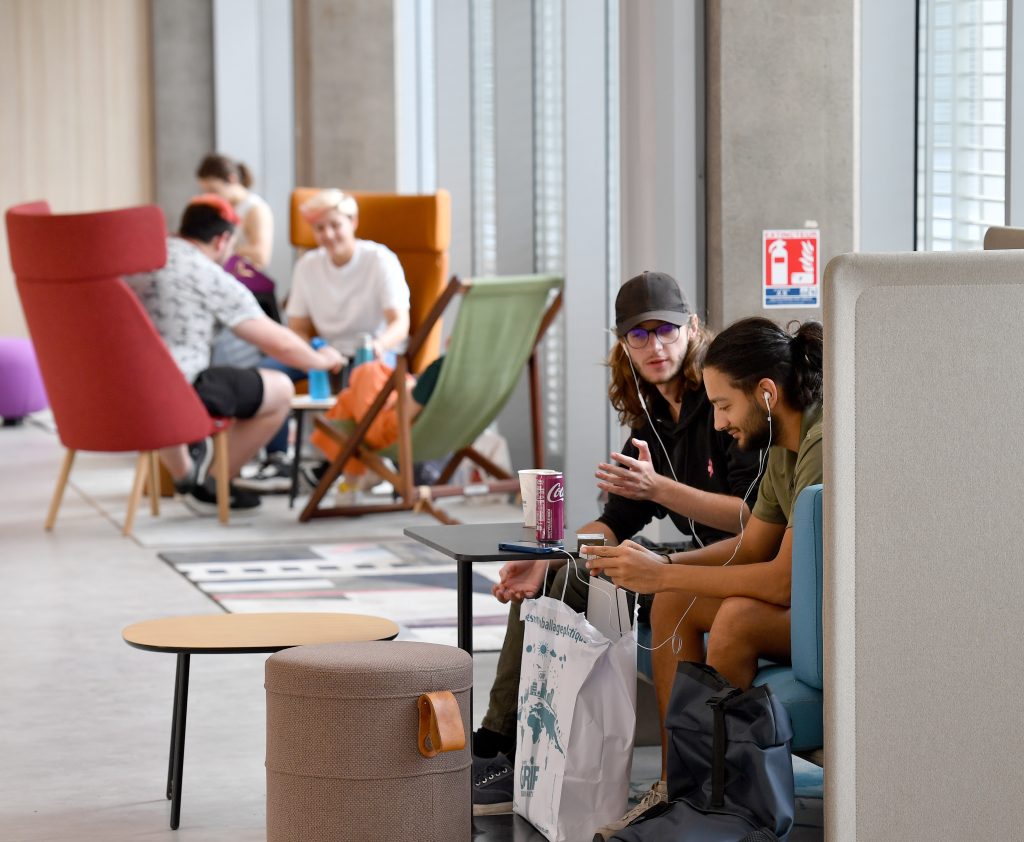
347,287
342,290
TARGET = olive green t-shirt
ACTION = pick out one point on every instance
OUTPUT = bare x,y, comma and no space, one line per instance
789,473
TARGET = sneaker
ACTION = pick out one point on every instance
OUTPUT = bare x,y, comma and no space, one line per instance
202,499
273,477
657,794
487,743
201,453
311,474
492,785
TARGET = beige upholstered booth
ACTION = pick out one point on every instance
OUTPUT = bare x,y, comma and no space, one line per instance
924,580
1001,237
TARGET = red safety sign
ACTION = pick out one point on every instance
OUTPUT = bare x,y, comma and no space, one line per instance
791,268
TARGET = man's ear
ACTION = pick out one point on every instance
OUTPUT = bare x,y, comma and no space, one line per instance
767,386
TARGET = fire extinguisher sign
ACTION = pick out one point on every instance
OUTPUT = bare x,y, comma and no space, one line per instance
790,274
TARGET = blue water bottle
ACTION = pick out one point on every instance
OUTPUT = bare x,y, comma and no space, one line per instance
365,352
319,383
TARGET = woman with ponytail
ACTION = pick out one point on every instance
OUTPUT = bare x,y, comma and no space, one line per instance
232,180
765,385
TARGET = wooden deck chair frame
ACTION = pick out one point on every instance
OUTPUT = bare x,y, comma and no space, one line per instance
420,498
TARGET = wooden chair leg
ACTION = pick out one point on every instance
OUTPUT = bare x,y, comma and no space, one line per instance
220,473
141,473
58,492
154,483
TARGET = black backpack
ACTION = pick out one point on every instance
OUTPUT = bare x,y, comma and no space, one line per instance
730,770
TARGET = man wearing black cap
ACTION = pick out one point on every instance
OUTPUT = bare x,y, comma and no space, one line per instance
675,463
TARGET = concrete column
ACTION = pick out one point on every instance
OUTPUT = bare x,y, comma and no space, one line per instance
183,99
345,94
587,113
662,151
780,139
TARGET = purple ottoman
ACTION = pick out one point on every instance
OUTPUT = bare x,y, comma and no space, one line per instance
21,385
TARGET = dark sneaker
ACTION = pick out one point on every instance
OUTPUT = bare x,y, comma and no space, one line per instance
656,795
202,499
201,453
311,474
273,477
488,743
492,785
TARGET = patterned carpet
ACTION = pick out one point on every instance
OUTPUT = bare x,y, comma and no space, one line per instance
398,579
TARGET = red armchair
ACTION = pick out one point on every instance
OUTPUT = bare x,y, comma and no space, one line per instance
112,383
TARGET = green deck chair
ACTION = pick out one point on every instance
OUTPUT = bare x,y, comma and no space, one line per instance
499,324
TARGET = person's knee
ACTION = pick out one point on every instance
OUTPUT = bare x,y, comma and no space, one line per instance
735,628
278,390
667,610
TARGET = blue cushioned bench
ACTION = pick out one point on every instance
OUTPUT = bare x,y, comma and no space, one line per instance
798,685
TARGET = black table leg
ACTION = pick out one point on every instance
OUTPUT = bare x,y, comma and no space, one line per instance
174,727
180,712
294,490
464,583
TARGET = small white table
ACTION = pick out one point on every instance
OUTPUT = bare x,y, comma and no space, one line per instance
301,404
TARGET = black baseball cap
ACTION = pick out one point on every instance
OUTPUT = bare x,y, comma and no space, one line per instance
650,295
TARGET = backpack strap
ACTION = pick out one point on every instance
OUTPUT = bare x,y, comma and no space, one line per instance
717,705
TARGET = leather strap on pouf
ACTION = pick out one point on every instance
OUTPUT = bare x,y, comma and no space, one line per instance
441,721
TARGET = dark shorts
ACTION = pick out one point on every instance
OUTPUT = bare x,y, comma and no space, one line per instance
229,392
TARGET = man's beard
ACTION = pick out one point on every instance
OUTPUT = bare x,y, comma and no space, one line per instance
758,432
668,377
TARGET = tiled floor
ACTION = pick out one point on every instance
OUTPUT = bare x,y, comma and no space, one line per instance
84,719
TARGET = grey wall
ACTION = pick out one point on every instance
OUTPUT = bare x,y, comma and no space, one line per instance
183,98
345,94
780,139
255,117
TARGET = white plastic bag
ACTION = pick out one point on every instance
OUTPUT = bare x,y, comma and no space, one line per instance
577,718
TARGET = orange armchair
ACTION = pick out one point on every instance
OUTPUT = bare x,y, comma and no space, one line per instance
112,383
418,230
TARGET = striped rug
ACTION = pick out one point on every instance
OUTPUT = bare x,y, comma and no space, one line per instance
398,579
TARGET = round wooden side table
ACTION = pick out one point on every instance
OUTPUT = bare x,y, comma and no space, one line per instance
230,634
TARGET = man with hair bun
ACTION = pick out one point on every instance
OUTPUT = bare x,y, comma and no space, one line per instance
765,385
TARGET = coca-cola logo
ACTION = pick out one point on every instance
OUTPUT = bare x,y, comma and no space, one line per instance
556,492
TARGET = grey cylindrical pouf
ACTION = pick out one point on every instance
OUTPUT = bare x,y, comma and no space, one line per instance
342,744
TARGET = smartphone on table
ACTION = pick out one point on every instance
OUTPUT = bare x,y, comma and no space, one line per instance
530,547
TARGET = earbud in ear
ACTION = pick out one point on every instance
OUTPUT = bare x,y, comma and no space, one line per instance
767,402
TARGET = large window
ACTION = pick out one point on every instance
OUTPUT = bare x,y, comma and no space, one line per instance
961,122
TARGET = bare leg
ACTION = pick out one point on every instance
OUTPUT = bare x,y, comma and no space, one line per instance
743,630
665,613
176,460
249,435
